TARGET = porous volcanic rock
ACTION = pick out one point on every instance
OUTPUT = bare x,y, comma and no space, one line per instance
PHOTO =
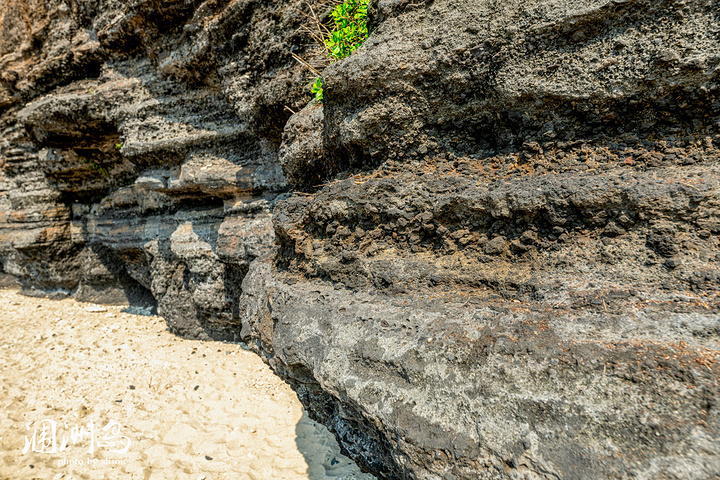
135,135
478,75
519,278
302,153
572,339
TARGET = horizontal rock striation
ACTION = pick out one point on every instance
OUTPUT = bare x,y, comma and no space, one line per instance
135,136
531,325
492,252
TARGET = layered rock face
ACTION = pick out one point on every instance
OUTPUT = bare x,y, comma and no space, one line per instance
503,261
139,148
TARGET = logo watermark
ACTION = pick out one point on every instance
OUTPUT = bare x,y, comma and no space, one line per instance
91,462
45,436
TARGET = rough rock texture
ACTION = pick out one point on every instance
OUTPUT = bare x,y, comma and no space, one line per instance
134,134
302,153
481,75
560,326
505,260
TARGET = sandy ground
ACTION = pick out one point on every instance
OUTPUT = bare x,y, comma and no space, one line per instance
182,409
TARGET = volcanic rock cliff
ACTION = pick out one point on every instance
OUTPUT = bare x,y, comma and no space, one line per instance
492,252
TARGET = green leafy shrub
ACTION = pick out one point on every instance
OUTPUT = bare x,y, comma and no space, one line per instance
350,32
350,28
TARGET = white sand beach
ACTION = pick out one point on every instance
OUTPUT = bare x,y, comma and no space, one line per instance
108,381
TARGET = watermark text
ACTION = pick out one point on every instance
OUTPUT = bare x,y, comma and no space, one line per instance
46,437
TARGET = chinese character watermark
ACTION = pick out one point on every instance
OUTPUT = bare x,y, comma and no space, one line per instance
45,437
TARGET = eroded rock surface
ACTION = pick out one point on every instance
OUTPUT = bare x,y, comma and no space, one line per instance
504,262
136,139
522,326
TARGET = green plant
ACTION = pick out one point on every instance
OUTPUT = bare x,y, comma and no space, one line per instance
350,28
118,146
317,89
95,166
350,32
